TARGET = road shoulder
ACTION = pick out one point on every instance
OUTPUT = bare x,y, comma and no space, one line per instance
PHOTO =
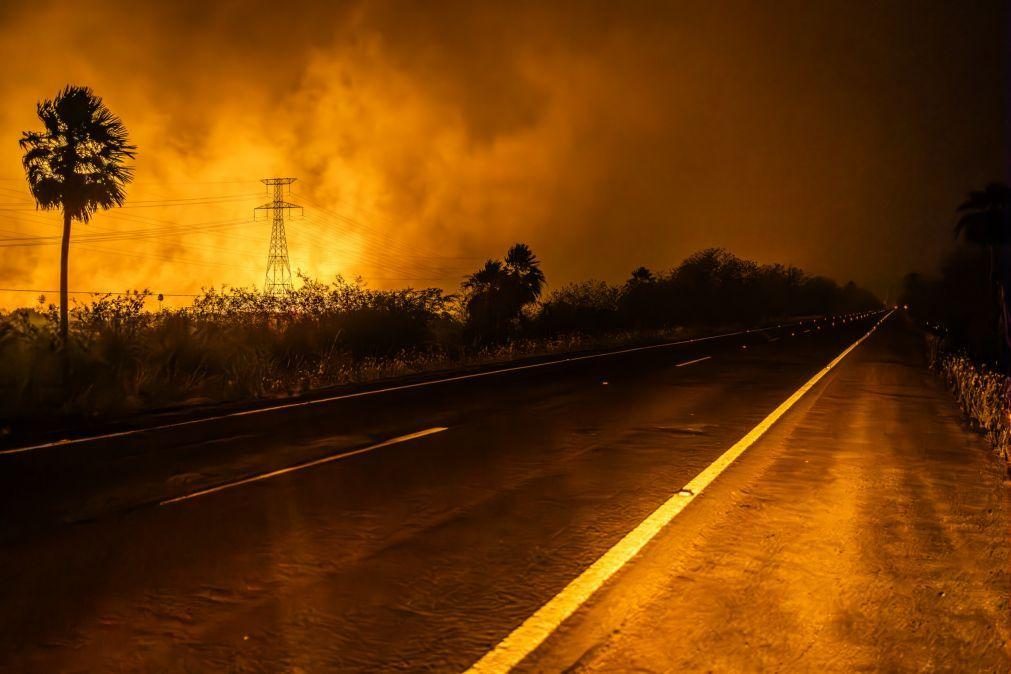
868,529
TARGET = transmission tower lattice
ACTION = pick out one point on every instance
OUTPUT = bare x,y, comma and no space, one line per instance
278,277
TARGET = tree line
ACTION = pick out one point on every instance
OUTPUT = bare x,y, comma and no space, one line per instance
710,288
240,343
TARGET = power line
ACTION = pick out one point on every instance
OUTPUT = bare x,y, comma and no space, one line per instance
400,261
95,292
377,254
25,206
127,235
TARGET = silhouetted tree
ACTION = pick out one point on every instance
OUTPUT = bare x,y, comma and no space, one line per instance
641,275
707,287
957,303
497,293
487,305
76,164
641,301
525,268
710,288
985,220
587,307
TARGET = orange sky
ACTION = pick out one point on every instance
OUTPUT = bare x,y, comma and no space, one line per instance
429,136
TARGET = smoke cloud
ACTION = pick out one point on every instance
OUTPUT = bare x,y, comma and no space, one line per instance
429,136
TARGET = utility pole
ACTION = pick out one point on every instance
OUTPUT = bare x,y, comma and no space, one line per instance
278,277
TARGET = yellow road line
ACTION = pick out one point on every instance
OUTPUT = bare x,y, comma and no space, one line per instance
692,362
308,464
538,627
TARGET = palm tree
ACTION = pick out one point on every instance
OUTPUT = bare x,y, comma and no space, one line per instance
525,268
487,291
985,216
497,293
487,278
985,220
76,164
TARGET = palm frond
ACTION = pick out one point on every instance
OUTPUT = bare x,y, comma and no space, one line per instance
77,161
985,228
994,195
985,217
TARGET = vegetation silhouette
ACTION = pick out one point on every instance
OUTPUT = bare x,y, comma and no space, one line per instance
496,294
985,221
965,307
966,302
76,164
525,269
710,288
242,343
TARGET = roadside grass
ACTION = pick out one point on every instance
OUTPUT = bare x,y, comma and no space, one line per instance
228,345
983,393
243,345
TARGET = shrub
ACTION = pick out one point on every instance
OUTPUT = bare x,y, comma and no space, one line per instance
984,395
230,344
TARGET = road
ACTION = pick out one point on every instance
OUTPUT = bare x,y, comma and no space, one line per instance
417,528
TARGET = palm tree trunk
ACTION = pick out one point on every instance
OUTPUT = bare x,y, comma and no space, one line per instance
64,264
997,283
1005,318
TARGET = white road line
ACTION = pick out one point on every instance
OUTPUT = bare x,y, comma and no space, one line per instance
538,627
308,464
361,394
692,362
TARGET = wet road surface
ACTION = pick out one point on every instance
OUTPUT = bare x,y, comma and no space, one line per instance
868,531
425,553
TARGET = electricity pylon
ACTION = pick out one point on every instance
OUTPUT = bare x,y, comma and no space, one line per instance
278,277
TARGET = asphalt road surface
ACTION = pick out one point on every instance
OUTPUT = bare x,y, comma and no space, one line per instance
417,528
